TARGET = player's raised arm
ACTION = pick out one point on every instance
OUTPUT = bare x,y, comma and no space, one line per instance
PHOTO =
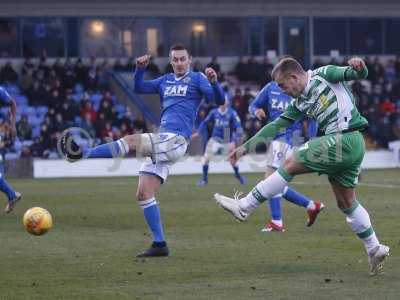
144,86
210,87
257,106
356,70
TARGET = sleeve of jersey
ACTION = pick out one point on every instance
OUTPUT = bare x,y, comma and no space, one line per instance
267,133
5,96
337,74
145,86
258,101
212,92
291,113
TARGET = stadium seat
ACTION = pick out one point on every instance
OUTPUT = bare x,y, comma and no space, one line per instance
34,120
53,155
78,120
78,89
21,100
77,97
4,111
42,110
36,132
11,155
121,109
27,143
13,90
27,110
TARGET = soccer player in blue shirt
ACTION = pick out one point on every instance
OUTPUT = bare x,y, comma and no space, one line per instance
180,93
13,196
269,104
227,132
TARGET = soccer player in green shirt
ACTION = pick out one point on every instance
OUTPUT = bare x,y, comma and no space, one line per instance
324,96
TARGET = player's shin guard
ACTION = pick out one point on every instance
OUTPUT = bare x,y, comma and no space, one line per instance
265,190
295,197
152,216
117,148
358,219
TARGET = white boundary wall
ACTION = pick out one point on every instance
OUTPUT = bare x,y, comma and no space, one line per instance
188,165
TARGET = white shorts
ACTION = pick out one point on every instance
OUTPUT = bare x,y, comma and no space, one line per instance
277,153
215,147
164,149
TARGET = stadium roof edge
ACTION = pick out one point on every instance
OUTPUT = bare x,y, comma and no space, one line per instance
205,8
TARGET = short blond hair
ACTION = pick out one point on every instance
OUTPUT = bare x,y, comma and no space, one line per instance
285,67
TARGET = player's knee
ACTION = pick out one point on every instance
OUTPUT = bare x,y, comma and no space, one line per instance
143,194
344,202
132,140
269,172
290,166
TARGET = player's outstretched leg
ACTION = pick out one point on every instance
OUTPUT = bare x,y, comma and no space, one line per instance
148,185
12,196
276,223
73,152
313,208
264,190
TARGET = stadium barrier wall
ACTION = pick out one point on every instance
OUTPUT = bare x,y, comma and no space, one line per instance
381,159
19,168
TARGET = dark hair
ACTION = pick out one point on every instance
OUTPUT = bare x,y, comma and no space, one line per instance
179,47
285,67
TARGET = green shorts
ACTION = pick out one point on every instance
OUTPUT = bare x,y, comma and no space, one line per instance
337,155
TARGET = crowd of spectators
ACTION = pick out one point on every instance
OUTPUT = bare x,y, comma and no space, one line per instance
56,96
377,97
67,93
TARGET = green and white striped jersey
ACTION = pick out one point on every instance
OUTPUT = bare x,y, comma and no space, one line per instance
328,100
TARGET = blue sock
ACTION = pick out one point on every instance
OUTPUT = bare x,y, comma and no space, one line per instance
296,198
205,173
151,213
236,169
4,186
109,150
275,208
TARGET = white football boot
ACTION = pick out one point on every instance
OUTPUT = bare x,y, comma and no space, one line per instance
231,205
377,258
